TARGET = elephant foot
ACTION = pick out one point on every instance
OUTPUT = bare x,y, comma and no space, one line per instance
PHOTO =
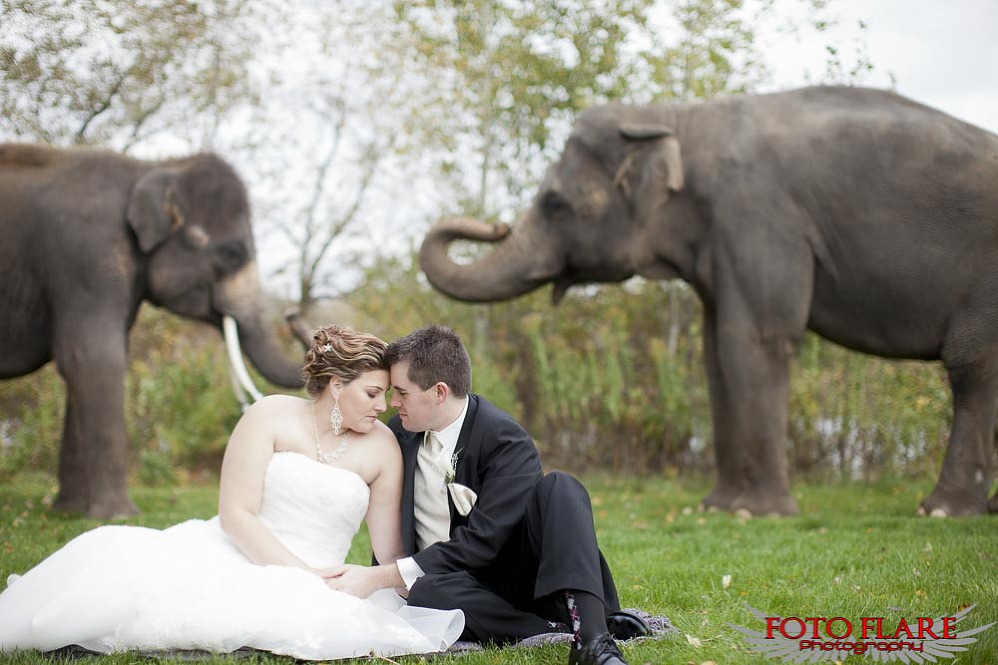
70,503
765,503
942,503
101,501
720,498
750,503
106,508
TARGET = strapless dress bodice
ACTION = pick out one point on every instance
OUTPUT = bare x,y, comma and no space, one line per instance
314,509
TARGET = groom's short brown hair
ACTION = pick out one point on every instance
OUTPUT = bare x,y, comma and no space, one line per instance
434,354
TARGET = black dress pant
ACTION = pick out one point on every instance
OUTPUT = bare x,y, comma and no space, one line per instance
522,593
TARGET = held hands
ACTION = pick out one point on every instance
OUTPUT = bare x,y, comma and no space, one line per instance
323,572
360,581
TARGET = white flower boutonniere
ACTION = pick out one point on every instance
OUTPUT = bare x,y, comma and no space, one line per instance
464,498
452,468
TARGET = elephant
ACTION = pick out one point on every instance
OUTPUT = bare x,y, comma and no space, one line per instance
861,215
89,235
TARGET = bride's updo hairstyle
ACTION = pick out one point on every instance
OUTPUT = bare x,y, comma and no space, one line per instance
340,353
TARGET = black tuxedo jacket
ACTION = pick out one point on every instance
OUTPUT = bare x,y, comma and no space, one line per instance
499,461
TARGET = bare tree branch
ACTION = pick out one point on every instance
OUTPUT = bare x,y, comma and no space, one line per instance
105,105
140,122
373,156
307,260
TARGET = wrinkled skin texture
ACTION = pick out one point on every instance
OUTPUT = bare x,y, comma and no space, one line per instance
87,236
858,214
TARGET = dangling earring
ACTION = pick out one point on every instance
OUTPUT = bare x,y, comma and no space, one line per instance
336,417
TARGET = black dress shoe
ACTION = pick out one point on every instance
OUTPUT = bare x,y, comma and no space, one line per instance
625,625
602,650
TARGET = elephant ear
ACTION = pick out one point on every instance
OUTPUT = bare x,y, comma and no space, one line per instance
153,209
652,168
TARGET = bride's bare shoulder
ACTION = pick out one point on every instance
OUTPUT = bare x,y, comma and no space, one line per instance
275,405
382,439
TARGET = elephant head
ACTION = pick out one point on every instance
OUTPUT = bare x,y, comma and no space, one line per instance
595,218
191,219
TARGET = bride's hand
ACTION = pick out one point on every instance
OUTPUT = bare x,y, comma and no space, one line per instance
360,581
324,573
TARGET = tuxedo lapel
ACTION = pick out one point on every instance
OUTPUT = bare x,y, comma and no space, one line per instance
467,449
466,452
409,442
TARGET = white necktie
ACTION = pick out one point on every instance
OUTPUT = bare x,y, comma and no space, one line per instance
431,510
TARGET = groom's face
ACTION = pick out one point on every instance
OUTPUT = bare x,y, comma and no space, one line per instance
418,409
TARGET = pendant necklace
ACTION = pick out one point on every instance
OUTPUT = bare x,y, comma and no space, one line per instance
327,458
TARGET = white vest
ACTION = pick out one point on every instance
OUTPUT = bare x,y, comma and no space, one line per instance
431,509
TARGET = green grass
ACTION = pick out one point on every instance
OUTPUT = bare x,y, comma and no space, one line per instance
857,550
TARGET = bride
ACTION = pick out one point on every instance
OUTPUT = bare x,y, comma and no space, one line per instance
297,479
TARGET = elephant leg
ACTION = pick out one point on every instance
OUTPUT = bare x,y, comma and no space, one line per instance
726,453
749,378
755,373
757,314
73,487
968,467
93,465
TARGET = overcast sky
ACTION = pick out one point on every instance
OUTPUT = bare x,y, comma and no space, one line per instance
944,54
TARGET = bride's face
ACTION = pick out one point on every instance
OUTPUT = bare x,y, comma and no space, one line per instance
363,400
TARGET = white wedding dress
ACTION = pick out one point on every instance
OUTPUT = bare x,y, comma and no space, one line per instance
121,588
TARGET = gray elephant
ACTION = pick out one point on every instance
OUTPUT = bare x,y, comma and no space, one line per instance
859,214
90,234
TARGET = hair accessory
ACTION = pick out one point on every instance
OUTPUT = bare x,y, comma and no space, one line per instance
327,348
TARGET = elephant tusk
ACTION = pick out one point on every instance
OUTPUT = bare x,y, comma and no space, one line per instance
237,388
237,366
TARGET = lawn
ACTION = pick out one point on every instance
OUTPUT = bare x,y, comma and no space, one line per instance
857,550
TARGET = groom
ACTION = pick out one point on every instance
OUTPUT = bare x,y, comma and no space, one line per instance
486,532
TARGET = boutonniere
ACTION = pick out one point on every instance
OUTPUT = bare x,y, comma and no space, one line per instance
452,469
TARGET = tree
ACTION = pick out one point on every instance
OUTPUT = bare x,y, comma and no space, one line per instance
710,50
511,75
118,73
321,142
507,77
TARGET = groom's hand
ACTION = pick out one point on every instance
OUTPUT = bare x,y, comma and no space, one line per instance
362,581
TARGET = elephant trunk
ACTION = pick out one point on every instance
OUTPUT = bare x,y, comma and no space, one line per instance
238,299
263,351
517,265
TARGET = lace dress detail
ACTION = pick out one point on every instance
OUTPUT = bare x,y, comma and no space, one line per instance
121,588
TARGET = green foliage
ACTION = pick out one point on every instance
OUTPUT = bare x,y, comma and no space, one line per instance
31,415
613,378
179,406
858,414
511,74
710,50
857,550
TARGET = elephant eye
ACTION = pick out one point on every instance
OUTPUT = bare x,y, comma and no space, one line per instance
554,205
229,256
